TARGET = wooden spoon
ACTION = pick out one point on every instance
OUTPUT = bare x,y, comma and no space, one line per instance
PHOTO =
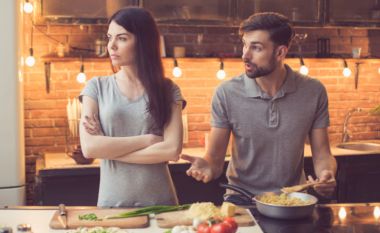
300,187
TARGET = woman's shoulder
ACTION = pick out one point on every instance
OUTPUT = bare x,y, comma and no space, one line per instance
100,80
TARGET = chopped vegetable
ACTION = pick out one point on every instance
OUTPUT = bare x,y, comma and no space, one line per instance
89,217
149,210
98,230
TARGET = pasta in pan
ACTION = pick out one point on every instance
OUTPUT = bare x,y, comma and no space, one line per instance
283,200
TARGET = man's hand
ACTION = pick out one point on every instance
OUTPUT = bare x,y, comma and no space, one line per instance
199,169
93,126
323,189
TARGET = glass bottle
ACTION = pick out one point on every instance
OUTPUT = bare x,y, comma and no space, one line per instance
24,228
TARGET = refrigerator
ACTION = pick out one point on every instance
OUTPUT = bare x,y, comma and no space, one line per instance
12,148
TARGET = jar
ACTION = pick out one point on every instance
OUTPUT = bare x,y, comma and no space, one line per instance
5,230
24,228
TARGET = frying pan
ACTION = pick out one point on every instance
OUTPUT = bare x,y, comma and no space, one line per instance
278,211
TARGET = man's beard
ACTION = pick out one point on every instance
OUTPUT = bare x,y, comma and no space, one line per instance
262,70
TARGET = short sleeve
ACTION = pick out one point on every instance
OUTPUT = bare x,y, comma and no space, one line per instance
219,115
322,117
91,89
177,95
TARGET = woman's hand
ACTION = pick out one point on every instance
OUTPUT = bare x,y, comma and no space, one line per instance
93,126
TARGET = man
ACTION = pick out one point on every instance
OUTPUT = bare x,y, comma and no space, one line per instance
270,110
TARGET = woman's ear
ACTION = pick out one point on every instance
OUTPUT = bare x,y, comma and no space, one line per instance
281,52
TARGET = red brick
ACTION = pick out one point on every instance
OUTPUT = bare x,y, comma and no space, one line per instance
41,132
62,104
354,96
364,136
29,178
38,123
27,114
373,127
185,29
60,122
189,50
40,141
340,40
332,129
74,94
203,73
360,40
220,48
36,86
353,32
34,95
196,118
221,30
368,88
197,110
41,39
348,48
49,113
323,32
199,126
333,112
213,83
208,101
67,29
174,38
194,143
328,81
82,38
60,140
51,149
38,67
105,66
30,169
336,121
28,133
312,65
44,104
95,29
67,85
190,83
330,72
365,119
28,150
191,101
197,91
36,30
339,104
71,66
162,29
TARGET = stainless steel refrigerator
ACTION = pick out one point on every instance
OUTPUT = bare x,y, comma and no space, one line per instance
12,148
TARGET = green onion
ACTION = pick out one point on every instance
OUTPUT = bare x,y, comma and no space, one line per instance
89,217
149,210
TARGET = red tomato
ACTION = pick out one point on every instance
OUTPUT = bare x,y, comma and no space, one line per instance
231,221
221,228
203,228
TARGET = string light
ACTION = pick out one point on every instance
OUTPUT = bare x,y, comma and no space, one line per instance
28,8
81,78
346,70
30,60
221,74
304,70
177,72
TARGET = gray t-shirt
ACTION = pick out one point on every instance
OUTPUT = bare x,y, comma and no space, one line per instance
269,133
126,184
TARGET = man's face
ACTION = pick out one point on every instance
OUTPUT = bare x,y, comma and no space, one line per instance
258,54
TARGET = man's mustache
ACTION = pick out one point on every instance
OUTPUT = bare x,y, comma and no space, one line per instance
249,63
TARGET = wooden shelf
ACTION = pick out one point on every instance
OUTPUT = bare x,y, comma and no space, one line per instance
89,57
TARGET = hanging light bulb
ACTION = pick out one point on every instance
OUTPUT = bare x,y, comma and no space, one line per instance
30,60
177,72
304,70
28,7
81,78
221,74
379,70
346,71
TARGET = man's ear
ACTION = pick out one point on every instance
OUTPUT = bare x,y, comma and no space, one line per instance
281,52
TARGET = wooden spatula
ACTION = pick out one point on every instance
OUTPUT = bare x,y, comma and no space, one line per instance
301,187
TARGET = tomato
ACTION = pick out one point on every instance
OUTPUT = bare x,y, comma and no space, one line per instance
203,228
231,221
221,228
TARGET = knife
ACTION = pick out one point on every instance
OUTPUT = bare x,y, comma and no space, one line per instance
62,215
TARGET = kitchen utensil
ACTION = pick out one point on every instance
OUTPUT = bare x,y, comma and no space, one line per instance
179,218
73,221
323,48
277,211
301,187
62,215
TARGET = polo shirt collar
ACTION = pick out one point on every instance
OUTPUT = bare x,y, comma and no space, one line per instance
252,89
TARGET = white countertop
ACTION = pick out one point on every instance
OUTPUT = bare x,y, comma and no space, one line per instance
61,160
39,221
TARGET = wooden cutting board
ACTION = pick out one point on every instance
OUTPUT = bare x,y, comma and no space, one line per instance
178,218
73,221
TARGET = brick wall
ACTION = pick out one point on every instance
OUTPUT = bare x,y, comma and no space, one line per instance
45,114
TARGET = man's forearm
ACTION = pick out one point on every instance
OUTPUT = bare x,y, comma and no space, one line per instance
328,163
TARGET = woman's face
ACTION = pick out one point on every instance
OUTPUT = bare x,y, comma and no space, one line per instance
121,45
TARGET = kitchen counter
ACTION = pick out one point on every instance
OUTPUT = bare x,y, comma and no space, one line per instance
39,219
62,161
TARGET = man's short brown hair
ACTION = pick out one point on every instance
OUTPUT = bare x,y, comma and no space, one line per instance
281,31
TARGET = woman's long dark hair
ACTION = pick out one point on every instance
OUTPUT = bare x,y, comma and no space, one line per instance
150,70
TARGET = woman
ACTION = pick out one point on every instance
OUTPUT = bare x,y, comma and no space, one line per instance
140,115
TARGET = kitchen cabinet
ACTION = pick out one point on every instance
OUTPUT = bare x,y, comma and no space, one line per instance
352,14
359,178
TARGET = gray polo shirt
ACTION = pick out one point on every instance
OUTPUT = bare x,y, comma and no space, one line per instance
269,133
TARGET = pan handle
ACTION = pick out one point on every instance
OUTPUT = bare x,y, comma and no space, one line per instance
244,192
